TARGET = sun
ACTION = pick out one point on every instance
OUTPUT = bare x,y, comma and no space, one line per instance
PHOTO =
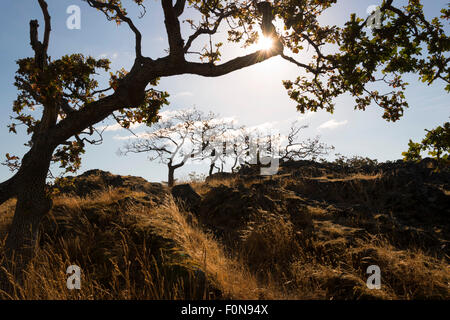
264,43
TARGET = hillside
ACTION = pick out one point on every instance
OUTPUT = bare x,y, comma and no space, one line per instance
309,232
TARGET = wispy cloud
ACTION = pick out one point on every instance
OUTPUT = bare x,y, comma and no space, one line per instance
332,124
169,114
116,127
139,135
264,127
306,116
111,56
183,94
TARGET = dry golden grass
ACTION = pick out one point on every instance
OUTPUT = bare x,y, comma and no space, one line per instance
330,262
137,251
353,176
6,214
229,275
203,187
46,277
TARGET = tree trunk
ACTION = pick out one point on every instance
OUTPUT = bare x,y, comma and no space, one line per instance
8,189
171,180
33,203
211,169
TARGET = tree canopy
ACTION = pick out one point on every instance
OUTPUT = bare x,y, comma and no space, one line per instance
348,59
436,143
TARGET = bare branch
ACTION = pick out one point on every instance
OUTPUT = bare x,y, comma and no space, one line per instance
211,70
173,30
302,65
102,6
40,48
48,27
297,150
179,7
201,31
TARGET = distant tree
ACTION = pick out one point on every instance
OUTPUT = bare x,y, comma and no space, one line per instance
346,59
248,146
218,159
240,147
355,163
295,149
436,142
196,177
184,135
215,143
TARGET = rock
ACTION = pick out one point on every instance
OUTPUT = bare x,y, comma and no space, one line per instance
220,176
186,197
97,180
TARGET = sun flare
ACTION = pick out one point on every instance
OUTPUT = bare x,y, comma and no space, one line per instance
265,43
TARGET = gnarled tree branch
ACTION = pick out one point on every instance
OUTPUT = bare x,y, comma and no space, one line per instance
211,70
179,7
40,48
173,28
102,6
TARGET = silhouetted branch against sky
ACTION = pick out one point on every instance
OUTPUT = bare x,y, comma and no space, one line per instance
331,59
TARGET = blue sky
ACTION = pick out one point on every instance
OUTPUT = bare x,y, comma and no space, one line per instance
253,95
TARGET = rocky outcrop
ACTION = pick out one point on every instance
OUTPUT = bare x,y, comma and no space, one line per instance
220,176
310,216
97,180
118,230
406,202
186,197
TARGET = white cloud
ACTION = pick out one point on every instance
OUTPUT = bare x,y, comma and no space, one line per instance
116,127
264,127
129,137
169,114
111,57
183,94
306,116
332,124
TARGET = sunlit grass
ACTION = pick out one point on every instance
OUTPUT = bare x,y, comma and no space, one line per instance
142,251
